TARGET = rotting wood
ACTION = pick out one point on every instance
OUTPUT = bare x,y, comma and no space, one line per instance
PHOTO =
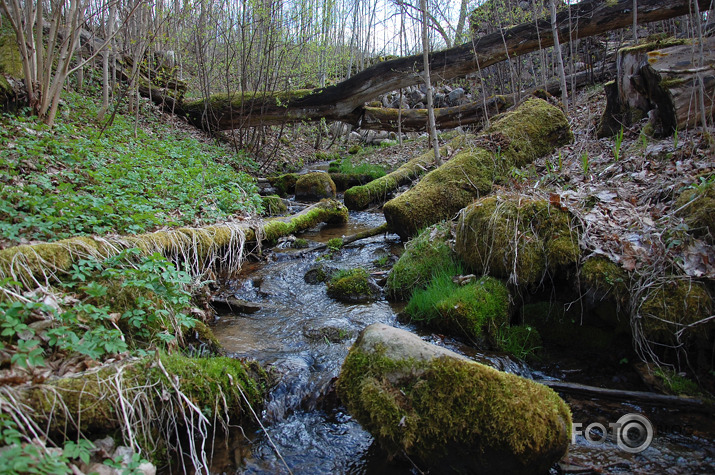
202,248
642,397
661,81
345,100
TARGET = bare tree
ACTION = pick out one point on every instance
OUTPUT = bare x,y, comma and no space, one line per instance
428,84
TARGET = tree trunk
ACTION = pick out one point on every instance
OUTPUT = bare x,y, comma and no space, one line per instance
532,130
662,82
345,101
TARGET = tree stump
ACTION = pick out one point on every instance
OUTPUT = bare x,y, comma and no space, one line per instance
661,81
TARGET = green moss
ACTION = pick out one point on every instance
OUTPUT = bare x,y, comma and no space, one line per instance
360,197
475,310
351,286
203,334
653,45
697,207
605,278
91,399
315,186
335,244
514,140
672,306
300,243
10,60
426,254
284,184
676,384
445,413
273,205
517,238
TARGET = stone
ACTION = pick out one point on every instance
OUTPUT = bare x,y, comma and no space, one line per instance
448,413
314,187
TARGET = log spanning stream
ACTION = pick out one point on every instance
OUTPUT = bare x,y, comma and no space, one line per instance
303,336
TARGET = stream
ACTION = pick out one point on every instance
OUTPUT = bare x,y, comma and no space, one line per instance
303,336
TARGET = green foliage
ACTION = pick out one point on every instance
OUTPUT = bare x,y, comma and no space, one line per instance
125,302
350,285
72,180
475,310
348,166
676,383
428,253
335,244
617,145
20,455
522,341
584,162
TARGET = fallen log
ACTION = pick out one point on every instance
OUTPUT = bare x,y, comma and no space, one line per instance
360,197
382,229
532,130
222,245
345,100
640,397
661,80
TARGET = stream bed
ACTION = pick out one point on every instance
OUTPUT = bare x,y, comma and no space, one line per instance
303,336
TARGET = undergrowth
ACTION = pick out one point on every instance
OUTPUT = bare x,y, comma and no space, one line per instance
75,180
347,167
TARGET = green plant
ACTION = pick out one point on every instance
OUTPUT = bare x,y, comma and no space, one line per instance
522,341
335,244
382,261
675,138
349,167
617,145
584,162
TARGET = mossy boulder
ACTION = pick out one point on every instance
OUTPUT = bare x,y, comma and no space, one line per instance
516,237
697,207
314,187
516,139
476,310
668,316
353,286
448,413
273,205
425,254
284,184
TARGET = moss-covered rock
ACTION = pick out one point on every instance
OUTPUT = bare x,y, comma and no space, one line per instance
669,310
344,181
476,310
448,413
353,286
517,238
284,184
605,279
517,138
427,253
697,207
314,187
273,205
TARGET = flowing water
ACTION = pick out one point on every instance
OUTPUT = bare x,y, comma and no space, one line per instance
303,336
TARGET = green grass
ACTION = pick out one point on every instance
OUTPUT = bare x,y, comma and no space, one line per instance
348,167
71,180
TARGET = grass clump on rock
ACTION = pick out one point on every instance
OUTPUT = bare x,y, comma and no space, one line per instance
516,238
428,253
475,310
352,286
448,413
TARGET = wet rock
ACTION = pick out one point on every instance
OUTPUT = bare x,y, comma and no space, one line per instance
273,205
224,305
330,334
314,187
319,273
448,413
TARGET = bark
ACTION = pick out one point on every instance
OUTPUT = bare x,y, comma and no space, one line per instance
662,83
345,101
532,130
